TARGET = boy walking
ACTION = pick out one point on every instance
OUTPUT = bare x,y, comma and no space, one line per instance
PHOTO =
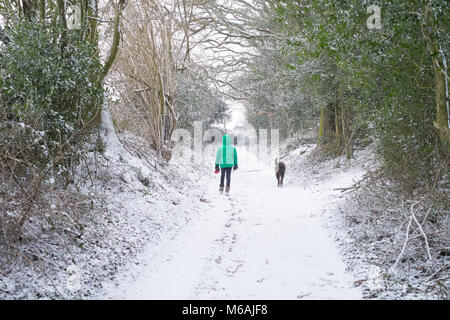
226,159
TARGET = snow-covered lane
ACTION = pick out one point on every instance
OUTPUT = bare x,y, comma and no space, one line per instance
262,242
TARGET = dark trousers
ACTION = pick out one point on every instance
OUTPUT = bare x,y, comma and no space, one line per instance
226,171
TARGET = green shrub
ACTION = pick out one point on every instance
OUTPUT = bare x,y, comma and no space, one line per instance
48,91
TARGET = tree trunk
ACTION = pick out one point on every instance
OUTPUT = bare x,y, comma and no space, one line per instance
27,7
337,128
116,39
346,141
441,121
326,132
63,21
42,10
92,14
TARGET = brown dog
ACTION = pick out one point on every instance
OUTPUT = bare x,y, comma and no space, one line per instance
280,169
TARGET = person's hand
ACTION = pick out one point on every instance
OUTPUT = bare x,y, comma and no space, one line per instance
217,168
235,167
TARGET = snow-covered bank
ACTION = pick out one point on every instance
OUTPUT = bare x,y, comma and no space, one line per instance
133,199
369,224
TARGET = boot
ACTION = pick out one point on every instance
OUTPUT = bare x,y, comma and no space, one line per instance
221,189
227,191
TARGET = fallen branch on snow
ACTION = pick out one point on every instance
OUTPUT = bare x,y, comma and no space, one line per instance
412,217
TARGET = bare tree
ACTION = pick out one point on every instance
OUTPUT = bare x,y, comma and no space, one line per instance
153,37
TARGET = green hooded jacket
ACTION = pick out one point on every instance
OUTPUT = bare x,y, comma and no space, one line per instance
226,155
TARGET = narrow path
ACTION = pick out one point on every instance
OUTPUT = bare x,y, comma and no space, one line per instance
261,242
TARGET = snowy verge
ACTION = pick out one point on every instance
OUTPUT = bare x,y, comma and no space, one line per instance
369,225
125,198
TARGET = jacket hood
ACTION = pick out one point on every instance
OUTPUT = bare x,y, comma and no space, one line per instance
226,155
226,140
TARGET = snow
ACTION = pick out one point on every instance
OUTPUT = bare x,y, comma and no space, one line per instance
126,203
260,243
161,230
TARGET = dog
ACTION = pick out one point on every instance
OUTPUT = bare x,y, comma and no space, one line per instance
280,169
